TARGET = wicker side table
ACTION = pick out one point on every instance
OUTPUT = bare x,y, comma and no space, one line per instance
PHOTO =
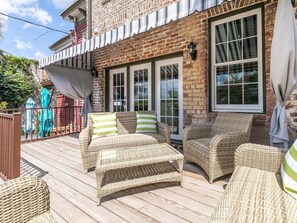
124,168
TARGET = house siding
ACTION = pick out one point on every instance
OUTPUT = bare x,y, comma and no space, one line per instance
80,28
174,38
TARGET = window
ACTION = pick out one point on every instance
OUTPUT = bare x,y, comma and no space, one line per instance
236,44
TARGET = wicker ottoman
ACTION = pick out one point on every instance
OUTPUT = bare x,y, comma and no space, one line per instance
124,168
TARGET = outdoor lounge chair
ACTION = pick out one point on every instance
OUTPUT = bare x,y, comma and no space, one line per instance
213,146
25,200
255,191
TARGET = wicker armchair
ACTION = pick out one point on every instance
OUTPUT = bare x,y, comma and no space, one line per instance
213,146
254,192
25,200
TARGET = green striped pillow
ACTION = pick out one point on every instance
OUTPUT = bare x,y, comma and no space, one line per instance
104,125
289,171
146,122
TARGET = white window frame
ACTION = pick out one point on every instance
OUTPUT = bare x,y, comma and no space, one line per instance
245,107
147,66
111,73
158,64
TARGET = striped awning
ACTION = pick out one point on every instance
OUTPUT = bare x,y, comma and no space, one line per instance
155,19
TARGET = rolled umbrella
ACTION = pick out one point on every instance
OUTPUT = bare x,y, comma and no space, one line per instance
45,117
283,70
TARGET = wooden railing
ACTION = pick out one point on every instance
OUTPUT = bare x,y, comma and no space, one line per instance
63,121
10,145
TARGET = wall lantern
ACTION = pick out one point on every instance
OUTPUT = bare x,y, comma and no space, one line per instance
192,50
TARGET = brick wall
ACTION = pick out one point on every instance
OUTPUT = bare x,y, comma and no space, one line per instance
64,115
173,38
80,27
113,13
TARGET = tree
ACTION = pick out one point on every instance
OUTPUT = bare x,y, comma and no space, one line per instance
17,83
1,36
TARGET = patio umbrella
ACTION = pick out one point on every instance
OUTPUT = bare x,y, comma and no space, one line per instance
283,70
29,125
45,117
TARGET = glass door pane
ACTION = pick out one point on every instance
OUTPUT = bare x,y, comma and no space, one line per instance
169,95
169,100
118,90
140,85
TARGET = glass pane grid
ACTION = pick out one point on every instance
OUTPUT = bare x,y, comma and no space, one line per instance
235,43
169,97
237,40
141,90
119,92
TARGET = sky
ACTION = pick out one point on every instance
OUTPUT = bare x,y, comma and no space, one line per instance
25,40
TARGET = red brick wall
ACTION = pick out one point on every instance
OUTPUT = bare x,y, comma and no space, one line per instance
64,116
173,38
114,13
80,27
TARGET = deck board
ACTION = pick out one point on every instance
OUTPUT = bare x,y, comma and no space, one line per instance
73,193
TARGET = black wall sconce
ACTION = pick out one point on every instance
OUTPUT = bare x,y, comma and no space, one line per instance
94,72
192,50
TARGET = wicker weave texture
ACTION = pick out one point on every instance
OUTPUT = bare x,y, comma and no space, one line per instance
120,169
213,146
254,193
25,200
126,122
262,157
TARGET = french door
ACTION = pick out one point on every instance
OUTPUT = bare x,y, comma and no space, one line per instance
118,90
169,94
140,87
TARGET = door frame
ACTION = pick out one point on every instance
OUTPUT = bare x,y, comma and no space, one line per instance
111,73
143,66
164,62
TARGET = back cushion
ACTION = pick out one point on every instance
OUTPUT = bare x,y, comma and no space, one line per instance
126,122
104,125
233,122
146,122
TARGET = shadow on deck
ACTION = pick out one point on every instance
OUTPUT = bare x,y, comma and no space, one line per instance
73,193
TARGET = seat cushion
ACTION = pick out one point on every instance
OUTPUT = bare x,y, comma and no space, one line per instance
200,145
127,140
254,195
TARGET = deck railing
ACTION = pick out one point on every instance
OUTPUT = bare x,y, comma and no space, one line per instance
59,121
10,145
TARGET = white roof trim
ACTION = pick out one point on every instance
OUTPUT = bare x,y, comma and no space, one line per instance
155,19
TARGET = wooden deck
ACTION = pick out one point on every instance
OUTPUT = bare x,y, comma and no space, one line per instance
73,193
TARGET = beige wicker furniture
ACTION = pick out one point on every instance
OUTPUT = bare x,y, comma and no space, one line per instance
212,146
25,200
119,169
126,123
254,193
